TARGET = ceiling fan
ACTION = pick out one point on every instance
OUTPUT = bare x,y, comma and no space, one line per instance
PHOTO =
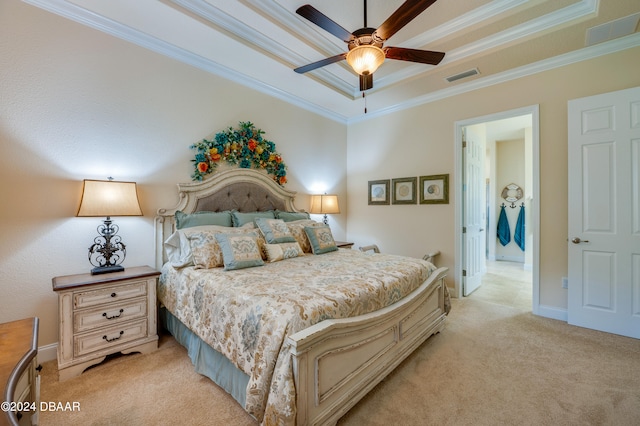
366,52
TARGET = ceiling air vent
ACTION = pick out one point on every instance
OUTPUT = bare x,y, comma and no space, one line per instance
612,29
462,75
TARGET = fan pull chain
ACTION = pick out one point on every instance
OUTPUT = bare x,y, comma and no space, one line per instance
365,102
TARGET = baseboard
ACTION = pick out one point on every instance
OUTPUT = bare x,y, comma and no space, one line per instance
48,352
552,312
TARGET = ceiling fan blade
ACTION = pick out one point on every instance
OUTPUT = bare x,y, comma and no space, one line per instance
414,55
321,63
314,15
401,17
366,82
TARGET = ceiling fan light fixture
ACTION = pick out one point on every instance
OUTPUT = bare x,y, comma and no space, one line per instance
365,59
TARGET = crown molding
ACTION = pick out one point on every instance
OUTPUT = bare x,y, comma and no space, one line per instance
256,39
93,20
580,9
462,22
584,54
572,12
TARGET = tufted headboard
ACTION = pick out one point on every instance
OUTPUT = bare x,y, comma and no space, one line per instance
245,190
241,196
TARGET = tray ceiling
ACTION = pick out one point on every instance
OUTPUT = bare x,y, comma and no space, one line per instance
258,43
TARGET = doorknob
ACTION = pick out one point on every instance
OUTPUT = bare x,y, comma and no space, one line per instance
577,240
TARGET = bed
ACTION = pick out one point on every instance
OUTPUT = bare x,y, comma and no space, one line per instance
298,340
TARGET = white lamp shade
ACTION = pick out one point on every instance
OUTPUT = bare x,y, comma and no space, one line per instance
324,204
365,59
109,198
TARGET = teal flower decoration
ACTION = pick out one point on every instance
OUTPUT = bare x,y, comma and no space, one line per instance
245,147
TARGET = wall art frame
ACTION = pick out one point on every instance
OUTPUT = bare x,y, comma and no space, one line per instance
379,192
404,190
434,189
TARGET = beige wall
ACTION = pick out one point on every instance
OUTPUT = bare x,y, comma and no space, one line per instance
76,103
420,141
510,160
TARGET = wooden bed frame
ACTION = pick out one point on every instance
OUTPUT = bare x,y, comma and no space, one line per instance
336,362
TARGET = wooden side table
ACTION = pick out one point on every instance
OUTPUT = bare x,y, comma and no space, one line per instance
19,372
105,314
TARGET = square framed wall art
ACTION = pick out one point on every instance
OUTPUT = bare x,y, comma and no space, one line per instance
404,190
434,189
379,192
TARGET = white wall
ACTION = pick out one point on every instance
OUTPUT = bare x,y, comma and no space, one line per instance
76,103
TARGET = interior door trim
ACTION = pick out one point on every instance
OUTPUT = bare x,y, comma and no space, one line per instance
534,210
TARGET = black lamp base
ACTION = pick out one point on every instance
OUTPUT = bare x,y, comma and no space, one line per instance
106,269
107,251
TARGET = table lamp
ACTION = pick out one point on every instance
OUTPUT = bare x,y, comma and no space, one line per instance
108,198
324,204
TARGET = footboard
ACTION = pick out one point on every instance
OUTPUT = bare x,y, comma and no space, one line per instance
337,362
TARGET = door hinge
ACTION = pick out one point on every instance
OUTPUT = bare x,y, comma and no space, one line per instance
464,229
464,144
464,272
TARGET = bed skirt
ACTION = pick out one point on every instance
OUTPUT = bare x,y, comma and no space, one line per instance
206,360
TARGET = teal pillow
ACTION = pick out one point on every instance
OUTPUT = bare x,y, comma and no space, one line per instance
321,239
240,250
184,220
240,219
291,216
275,231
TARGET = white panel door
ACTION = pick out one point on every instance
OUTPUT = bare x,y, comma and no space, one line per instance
604,212
474,211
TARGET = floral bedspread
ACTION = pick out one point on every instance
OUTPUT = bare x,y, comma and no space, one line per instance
247,314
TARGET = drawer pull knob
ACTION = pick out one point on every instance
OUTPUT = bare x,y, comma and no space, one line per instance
113,295
113,339
113,316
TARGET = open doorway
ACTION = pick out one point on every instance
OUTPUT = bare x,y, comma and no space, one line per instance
497,225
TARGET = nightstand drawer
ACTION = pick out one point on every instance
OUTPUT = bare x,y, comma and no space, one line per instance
108,315
109,337
85,299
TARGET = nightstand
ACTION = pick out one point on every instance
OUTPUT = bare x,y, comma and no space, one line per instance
104,314
344,244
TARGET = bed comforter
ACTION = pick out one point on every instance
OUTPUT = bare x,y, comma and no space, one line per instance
247,314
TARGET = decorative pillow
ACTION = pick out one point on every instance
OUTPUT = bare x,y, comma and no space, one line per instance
274,230
240,250
204,249
291,216
297,230
240,219
276,252
178,249
184,220
321,239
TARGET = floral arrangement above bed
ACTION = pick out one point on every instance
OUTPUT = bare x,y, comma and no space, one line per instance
243,146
